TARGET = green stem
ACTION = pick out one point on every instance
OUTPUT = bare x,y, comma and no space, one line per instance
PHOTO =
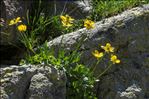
104,71
96,64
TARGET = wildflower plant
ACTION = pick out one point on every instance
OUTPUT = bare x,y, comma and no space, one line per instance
108,50
9,25
81,79
80,84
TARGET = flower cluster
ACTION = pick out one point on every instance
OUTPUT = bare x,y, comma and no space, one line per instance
17,20
108,49
67,21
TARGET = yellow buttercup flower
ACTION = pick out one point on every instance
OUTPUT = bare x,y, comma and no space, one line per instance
15,21
97,54
22,28
89,24
67,20
114,59
108,48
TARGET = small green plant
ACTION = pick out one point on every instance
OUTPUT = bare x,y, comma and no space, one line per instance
80,81
26,39
80,78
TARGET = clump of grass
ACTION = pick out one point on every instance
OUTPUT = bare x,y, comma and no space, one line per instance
106,8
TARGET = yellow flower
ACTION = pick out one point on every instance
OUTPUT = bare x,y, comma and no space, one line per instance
108,48
15,21
22,28
67,20
114,59
89,24
97,54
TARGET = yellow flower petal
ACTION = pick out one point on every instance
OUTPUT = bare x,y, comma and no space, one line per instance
117,61
111,49
63,18
18,19
65,24
108,45
69,18
114,59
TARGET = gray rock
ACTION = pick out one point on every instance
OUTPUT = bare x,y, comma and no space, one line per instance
128,32
32,82
132,92
40,87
